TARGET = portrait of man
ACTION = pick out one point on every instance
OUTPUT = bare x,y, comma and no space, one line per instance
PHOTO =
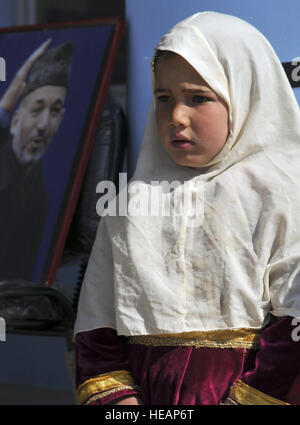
31,111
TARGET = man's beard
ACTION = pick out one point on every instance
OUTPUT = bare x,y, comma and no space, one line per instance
23,157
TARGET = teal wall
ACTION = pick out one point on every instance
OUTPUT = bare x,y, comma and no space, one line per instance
148,20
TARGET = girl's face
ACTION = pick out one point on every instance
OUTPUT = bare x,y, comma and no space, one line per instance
192,119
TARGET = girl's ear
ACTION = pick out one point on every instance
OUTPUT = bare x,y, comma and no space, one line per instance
14,122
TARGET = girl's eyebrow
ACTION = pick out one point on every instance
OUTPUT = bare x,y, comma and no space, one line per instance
193,91
160,90
197,91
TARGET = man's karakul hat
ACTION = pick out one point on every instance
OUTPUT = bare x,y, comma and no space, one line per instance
52,68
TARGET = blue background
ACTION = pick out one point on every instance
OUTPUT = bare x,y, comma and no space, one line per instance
148,21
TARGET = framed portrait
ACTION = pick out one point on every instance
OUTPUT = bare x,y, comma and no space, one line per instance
54,79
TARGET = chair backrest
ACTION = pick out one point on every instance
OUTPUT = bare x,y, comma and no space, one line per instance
105,163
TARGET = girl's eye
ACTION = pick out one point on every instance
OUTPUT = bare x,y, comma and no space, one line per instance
200,99
163,98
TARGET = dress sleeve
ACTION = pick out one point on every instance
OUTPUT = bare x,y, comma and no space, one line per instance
101,355
275,377
102,373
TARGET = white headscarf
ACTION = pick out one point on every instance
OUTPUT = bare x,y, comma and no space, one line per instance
237,258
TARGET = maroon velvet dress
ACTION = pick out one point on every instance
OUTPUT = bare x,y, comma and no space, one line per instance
185,375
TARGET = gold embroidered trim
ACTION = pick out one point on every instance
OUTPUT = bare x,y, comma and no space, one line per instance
103,383
228,402
244,394
229,338
107,393
93,398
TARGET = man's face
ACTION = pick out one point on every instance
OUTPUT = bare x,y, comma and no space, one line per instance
36,121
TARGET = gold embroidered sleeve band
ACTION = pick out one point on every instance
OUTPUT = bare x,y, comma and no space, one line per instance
227,338
244,394
105,384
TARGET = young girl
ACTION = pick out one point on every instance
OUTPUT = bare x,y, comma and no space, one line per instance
201,307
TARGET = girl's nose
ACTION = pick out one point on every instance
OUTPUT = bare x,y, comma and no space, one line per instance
179,116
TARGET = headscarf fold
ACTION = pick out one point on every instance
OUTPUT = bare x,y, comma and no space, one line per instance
231,256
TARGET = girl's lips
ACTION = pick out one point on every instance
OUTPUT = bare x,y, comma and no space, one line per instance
182,143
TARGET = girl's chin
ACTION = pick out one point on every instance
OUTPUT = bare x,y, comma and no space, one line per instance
191,162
